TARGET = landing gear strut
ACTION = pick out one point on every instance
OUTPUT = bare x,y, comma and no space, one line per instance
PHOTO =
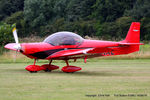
69,68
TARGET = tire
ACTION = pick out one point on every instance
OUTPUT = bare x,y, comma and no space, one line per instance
33,71
47,70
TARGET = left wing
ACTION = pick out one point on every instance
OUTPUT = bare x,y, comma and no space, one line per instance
70,52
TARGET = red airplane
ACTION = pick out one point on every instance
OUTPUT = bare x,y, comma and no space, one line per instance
68,45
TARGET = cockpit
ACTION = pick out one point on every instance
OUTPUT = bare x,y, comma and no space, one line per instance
64,38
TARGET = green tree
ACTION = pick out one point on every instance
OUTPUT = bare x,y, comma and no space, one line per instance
110,10
7,7
18,18
6,33
79,9
38,12
116,30
60,8
145,28
141,9
123,24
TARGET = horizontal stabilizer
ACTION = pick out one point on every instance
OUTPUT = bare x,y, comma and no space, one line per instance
130,44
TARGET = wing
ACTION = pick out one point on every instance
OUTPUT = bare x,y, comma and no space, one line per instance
71,52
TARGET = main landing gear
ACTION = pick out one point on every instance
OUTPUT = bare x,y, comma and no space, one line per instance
70,69
49,67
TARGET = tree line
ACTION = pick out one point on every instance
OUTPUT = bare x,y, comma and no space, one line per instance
107,19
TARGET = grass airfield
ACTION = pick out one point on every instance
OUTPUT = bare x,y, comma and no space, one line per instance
98,80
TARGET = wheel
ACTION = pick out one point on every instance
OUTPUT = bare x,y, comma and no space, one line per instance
33,71
47,70
70,69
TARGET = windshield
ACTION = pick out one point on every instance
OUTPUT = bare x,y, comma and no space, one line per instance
64,38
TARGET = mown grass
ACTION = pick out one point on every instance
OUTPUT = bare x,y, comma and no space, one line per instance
97,77
123,74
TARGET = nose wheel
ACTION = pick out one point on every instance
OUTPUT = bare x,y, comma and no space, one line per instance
34,68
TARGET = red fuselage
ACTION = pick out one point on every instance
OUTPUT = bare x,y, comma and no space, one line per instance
48,51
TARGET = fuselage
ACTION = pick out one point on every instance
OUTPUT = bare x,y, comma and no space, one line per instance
46,51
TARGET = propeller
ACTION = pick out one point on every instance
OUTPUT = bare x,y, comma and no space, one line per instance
17,46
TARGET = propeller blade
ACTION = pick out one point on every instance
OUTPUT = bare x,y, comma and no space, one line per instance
17,46
15,35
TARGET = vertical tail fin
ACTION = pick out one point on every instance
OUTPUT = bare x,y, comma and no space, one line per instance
133,35
133,38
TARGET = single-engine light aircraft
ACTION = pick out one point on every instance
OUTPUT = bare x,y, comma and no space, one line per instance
67,45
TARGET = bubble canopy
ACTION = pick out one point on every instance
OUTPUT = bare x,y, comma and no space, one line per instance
64,38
